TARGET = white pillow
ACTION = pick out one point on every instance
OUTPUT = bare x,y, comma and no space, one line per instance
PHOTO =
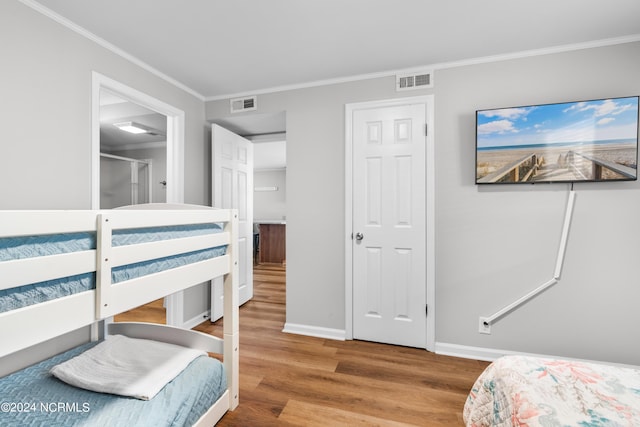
126,366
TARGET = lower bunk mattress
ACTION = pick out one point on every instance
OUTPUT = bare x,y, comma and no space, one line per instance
539,392
34,397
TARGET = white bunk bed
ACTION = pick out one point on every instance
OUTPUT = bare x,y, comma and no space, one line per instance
114,285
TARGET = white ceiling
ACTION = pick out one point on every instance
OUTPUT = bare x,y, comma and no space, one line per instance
113,110
270,155
261,126
216,48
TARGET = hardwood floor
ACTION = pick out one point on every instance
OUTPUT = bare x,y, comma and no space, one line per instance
293,380
154,312
288,379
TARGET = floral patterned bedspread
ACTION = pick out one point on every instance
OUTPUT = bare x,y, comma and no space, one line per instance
531,392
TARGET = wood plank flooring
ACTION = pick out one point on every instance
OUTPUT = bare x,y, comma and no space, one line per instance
154,312
288,380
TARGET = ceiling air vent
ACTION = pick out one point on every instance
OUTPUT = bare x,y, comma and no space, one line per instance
414,81
248,103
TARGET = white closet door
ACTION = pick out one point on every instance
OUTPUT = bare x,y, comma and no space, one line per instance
389,225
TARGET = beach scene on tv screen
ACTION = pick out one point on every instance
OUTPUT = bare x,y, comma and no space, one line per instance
575,141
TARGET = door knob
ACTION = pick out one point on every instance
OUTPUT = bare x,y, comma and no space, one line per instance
359,236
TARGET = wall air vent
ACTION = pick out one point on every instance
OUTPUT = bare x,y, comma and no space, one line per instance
239,105
422,80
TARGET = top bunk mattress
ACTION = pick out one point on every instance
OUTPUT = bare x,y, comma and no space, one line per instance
34,397
14,248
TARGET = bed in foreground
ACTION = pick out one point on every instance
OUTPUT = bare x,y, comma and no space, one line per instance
531,391
65,270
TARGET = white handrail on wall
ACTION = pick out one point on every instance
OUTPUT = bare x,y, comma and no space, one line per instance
486,321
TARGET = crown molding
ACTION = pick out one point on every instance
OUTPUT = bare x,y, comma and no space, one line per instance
105,44
325,82
439,66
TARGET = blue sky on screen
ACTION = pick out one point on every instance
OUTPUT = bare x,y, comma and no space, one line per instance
573,122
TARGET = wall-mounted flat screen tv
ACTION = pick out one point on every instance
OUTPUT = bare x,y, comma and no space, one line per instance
582,141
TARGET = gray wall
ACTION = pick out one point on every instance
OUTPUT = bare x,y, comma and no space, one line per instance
115,183
315,193
270,204
115,177
45,81
158,157
494,244
45,113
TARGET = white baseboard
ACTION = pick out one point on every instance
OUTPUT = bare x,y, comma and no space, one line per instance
486,354
468,352
315,331
491,354
196,320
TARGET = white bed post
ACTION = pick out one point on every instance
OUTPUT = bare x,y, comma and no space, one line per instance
103,267
232,315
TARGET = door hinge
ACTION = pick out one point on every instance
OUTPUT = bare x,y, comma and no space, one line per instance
426,310
426,129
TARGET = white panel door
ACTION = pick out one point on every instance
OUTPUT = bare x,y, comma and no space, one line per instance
389,225
232,187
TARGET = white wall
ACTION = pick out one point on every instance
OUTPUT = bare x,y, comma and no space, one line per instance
493,244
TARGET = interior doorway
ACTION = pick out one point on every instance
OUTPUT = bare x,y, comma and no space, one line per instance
267,133
270,202
133,153
173,186
165,119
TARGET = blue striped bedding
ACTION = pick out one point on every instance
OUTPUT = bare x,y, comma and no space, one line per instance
36,246
34,397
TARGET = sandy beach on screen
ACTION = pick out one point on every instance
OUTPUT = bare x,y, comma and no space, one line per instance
490,161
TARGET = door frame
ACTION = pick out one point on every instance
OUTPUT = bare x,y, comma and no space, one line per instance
428,101
175,135
175,156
